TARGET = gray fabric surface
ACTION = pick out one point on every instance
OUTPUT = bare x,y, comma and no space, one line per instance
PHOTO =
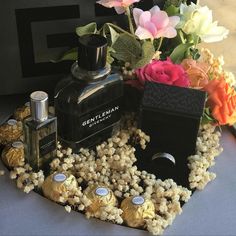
210,212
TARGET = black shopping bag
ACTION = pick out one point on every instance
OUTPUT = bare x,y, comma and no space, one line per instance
33,33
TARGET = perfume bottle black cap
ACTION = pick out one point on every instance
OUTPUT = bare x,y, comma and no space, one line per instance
92,52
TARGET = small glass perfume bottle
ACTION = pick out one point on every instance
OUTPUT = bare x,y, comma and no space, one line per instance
40,133
88,102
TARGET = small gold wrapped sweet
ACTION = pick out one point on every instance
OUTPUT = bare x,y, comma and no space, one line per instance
11,131
100,196
22,112
51,110
58,185
136,210
13,155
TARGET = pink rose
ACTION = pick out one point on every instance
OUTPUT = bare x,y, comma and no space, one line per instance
119,5
154,24
165,72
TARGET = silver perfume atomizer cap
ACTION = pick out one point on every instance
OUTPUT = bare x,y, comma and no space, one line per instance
39,106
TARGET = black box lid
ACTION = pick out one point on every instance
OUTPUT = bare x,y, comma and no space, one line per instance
172,99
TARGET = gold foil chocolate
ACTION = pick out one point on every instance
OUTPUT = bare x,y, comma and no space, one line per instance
100,196
22,112
51,110
136,210
56,186
11,131
13,155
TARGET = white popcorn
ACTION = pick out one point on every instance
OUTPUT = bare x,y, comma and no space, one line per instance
68,208
208,148
112,165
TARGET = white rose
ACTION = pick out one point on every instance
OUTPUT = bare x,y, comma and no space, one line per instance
198,20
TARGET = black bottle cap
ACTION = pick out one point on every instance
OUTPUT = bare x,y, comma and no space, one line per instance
92,52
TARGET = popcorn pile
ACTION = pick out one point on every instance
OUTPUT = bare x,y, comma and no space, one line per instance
26,179
208,147
75,199
111,164
108,213
127,71
167,197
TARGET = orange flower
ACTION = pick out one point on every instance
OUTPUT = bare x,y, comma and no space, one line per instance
222,101
197,72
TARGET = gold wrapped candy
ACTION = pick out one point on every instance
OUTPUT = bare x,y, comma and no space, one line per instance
56,186
100,196
13,155
136,210
51,110
11,131
22,112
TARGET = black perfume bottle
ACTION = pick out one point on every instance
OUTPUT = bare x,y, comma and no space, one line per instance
88,103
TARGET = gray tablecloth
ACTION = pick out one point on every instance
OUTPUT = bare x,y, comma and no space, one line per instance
210,212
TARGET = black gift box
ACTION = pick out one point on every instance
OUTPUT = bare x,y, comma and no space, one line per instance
171,116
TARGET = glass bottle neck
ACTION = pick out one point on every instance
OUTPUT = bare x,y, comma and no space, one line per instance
90,76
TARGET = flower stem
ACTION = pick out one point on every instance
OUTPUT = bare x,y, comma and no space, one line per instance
196,41
119,29
160,44
131,26
181,34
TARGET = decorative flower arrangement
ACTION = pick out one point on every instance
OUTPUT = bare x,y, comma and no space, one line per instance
161,46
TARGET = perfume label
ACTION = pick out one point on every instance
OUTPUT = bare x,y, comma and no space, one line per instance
100,117
102,191
95,124
77,128
47,144
138,200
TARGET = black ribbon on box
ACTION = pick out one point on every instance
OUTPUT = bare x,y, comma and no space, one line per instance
171,116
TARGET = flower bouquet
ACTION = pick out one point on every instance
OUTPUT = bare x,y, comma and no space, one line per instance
159,46
162,46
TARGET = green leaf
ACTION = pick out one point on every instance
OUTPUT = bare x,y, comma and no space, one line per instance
207,118
179,52
108,30
175,3
148,52
70,55
172,10
87,29
127,49
194,52
110,59
181,36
